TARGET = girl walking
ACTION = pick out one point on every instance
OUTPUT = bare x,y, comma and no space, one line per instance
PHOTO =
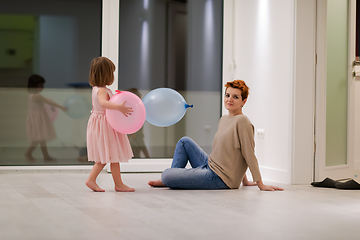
104,144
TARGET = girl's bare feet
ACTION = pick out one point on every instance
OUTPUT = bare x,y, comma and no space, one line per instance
124,188
156,183
29,157
93,186
49,158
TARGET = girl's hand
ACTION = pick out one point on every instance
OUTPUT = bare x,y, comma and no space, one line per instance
125,110
43,99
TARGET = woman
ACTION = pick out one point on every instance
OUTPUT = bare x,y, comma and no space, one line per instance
232,152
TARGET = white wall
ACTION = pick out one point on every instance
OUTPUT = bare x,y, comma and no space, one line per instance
259,47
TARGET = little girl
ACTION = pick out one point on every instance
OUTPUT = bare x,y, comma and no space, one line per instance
104,144
39,127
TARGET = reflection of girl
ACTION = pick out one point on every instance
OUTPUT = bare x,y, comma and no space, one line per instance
39,127
138,144
137,139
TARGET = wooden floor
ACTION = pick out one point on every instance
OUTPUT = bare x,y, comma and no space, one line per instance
57,205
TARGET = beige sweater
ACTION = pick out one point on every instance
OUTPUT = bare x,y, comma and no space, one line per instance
233,150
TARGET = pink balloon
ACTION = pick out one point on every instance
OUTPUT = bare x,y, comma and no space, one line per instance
132,123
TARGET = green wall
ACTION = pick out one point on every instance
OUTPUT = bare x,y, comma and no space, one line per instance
16,41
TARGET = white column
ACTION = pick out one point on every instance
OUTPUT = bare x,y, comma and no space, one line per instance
110,35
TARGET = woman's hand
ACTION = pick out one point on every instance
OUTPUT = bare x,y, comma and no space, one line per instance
270,188
125,110
264,187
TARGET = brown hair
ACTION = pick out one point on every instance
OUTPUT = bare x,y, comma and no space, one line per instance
33,83
239,84
101,72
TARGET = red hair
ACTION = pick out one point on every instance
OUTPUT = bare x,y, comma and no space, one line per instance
241,85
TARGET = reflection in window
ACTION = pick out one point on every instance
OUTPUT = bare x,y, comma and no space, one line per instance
56,40
174,44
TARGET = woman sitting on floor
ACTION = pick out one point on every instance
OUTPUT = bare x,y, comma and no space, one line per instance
232,152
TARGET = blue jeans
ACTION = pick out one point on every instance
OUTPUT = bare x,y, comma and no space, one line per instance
200,176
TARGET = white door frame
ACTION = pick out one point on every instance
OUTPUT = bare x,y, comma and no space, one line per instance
302,162
341,171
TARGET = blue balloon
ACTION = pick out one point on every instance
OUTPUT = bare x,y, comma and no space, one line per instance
77,107
164,107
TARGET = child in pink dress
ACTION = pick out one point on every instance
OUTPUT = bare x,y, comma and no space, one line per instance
39,127
104,144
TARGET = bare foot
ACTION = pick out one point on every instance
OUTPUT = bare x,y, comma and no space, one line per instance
29,157
49,158
93,186
124,188
156,183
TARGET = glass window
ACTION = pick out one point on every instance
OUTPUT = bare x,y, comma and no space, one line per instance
51,43
337,82
178,45
162,43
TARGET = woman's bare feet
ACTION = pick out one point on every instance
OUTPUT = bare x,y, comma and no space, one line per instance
124,188
156,183
93,186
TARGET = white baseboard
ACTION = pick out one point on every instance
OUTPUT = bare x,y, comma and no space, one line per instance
134,165
44,168
148,166
272,175
143,165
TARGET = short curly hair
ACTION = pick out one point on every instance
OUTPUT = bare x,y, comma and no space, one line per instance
239,84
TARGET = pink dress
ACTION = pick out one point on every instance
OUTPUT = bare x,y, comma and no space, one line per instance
104,144
38,124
